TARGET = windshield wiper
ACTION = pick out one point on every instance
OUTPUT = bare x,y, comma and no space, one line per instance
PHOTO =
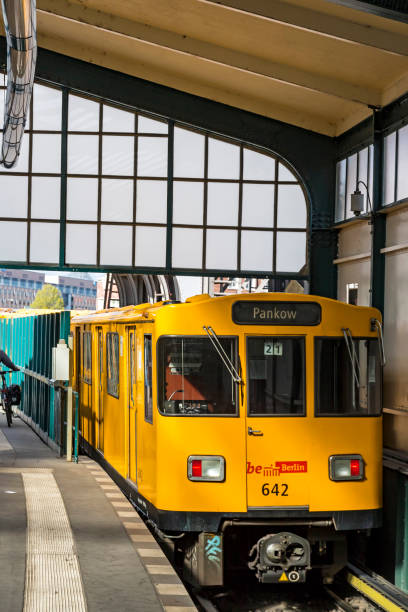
376,325
223,355
348,338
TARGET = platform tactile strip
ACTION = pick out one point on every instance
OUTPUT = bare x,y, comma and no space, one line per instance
53,578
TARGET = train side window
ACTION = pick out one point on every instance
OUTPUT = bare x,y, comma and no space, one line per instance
112,363
148,384
87,358
342,390
276,376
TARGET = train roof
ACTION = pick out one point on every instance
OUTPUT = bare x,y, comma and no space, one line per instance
150,311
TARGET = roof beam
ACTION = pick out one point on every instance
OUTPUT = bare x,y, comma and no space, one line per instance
321,23
210,52
375,9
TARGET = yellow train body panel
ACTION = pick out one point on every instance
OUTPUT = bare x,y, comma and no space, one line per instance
286,466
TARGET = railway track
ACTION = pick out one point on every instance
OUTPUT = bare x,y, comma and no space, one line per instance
340,596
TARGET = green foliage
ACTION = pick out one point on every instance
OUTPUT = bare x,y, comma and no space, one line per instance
48,297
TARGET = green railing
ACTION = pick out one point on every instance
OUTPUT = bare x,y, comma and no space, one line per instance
28,339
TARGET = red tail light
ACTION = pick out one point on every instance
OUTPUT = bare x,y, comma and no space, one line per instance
346,467
206,468
355,467
196,468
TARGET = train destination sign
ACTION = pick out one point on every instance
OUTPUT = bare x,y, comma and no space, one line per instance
276,313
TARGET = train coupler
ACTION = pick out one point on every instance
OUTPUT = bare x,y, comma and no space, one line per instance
280,557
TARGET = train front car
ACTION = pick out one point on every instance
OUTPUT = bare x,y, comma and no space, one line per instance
268,434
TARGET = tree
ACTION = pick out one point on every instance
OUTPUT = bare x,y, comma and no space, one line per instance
48,297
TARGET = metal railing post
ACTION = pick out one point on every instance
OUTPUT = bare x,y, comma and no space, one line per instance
69,423
76,426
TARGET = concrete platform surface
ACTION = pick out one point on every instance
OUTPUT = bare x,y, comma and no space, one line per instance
70,541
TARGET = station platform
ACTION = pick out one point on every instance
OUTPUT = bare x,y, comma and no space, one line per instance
69,539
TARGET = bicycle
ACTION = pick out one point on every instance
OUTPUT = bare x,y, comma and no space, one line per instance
6,400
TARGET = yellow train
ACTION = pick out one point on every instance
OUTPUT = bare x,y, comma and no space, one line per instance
247,428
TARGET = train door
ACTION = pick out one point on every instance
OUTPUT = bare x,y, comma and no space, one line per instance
131,411
276,423
99,359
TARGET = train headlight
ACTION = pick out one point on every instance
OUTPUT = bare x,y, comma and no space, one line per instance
206,468
346,467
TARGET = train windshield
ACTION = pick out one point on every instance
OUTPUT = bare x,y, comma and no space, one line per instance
348,378
276,376
192,378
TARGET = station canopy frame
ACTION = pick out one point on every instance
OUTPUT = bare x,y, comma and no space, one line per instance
100,186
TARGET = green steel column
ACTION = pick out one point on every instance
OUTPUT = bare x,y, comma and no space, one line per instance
65,325
401,548
378,227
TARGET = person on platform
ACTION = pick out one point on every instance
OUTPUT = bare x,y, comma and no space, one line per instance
4,358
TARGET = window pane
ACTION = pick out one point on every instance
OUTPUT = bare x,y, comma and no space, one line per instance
117,200
221,249
290,251
83,154
148,380
223,159
152,156
258,167
118,155
150,247
291,206
389,168
222,204
14,195
351,181
13,241
284,174
188,203
117,120
112,363
187,248
150,126
87,357
46,153
257,251
47,108
22,162
276,375
258,205
151,201
82,199
371,172
116,245
340,189
193,378
83,115
402,187
45,197
44,242
81,244
363,168
337,390
188,154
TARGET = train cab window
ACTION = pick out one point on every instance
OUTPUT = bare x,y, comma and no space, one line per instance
348,378
112,363
276,376
148,384
87,357
193,380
